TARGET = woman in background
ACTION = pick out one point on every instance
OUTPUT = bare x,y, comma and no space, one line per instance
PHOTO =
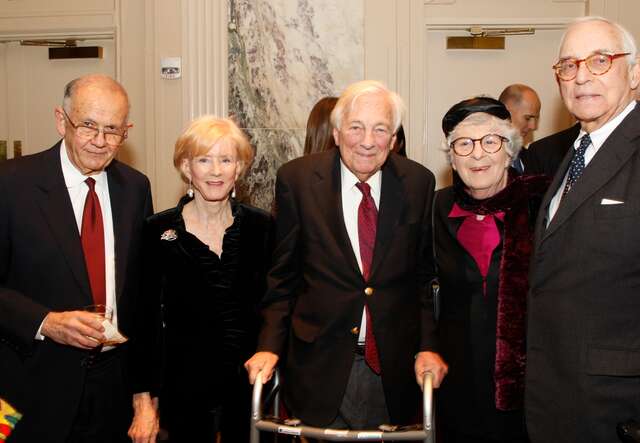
483,231
319,130
206,266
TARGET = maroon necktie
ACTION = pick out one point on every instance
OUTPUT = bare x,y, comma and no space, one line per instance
367,223
92,237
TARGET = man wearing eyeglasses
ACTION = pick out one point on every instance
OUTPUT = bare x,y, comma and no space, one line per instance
70,236
583,363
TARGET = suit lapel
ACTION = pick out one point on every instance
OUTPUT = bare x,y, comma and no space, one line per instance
328,196
565,142
392,201
611,156
541,221
55,204
120,212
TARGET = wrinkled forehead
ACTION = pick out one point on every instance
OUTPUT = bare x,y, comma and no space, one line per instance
108,107
584,39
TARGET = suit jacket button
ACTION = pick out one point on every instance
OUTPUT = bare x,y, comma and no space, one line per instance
368,291
355,330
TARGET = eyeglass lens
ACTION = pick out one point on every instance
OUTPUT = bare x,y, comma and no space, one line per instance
490,143
597,64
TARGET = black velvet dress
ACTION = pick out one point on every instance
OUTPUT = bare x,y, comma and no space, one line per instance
470,314
200,321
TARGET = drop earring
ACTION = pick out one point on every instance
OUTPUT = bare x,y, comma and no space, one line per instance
233,192
190,190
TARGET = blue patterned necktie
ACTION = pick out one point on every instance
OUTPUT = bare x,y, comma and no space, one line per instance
577,164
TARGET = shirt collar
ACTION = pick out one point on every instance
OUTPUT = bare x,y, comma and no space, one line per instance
600,135
349,180
73,177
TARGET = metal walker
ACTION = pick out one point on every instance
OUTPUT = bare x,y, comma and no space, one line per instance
424,432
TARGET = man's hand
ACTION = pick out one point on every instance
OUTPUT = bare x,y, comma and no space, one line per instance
431,362
146,421
261,361
74,328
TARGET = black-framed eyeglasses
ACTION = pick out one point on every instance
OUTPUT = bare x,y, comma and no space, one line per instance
490,143
597,64
112,136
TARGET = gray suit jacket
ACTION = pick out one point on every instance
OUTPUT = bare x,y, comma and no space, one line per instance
583,370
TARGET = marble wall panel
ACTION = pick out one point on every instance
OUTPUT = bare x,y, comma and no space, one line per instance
284,55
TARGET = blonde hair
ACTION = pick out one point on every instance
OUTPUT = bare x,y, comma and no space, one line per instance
204,132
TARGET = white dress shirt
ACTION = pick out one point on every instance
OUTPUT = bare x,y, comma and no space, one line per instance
598,137
78,189
351,198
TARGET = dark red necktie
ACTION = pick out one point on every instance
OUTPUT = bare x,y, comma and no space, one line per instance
92,237
367,223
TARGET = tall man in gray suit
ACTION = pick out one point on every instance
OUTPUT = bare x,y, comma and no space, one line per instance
583,368
348,302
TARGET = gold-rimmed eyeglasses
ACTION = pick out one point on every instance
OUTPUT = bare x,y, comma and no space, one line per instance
490,143
89,130
597,64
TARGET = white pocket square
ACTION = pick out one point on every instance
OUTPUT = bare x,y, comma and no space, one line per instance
608,201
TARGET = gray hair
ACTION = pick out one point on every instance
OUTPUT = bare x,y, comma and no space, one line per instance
71,88
503,127
627,40
355,90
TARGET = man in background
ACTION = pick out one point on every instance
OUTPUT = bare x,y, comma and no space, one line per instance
523,104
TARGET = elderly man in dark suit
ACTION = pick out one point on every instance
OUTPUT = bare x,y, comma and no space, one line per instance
583,364
70,225
348,305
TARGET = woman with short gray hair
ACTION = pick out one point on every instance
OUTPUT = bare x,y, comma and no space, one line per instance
483,230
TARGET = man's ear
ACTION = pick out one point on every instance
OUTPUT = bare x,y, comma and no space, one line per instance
336,136
634,75
61,124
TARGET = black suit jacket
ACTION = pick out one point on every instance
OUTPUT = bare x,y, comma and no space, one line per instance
583,371
316,292
42,269
545,155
